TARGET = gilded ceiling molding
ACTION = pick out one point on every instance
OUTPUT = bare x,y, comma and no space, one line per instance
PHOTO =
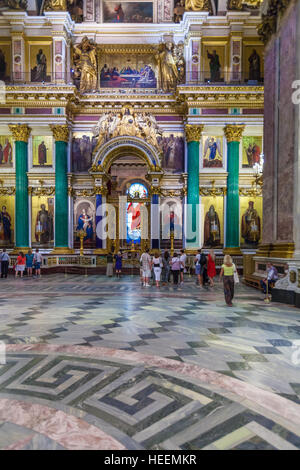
20,132
60,132
193,132
233,132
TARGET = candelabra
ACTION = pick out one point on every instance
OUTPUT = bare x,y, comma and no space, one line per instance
81,235
172,242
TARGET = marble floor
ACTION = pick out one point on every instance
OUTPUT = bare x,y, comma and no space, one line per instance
97,363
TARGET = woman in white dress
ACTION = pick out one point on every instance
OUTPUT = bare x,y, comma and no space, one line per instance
157,265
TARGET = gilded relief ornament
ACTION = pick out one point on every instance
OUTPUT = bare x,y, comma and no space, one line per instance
20,132
60,132
128,123
86,66
55,5
193,132
233,132
171,65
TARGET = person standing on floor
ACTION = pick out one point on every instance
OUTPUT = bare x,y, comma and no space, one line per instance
227,273
118,265
29,262
146,267
4,263
37,261
20,264
157,265
166,268
211,267
182,266
175,266
109,265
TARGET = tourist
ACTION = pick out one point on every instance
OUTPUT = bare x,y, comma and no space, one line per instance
211,267
227,272
146,266
157,265
182,266
37,261
29,262
175,266
20,264
110,265
4,263
166,268
200,261
271,277
118,265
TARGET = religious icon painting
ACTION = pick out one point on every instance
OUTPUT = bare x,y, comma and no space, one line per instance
84,219
6,152
212,152
7,219
40,62
213,63
42,229
42,151
252,149
83,145
127,12
173,151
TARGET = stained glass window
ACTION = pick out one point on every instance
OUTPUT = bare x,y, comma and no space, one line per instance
137,190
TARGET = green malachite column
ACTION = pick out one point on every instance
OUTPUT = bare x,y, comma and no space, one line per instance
233,135
61,137
193,136
21,133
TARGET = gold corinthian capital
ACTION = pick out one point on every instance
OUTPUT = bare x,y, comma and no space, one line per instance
193,132
20,132
60,132
233,132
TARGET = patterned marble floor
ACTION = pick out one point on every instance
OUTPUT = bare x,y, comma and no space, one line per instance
97,363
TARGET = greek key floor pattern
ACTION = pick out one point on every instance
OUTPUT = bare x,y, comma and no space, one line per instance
97,363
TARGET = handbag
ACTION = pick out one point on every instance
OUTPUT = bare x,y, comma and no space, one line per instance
236,276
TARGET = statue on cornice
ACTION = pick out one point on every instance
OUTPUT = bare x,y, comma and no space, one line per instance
128,123
171,65
86,65
239,5
198,5
55,5
16,4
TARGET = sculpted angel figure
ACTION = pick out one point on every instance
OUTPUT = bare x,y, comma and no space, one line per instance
168,71
85,61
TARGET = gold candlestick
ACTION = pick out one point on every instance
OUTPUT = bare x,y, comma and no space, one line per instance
81,234
172,242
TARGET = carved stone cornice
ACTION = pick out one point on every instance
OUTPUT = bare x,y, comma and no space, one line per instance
60,132
7,191
34,191
213,191
233,132
193,132
20,132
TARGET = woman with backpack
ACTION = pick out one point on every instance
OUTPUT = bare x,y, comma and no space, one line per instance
175,267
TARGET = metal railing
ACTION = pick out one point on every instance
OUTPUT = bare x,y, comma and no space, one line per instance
228,77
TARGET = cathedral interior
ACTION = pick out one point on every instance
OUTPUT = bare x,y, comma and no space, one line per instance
159,124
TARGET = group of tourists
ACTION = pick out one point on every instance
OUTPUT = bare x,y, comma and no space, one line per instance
29,262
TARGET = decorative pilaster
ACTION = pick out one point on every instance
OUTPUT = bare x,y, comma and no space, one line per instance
192,232
21,133
61,137
233,134
155,219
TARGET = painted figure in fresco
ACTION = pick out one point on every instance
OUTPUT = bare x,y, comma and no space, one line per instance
7,152
215,66
86,67
40,70
119,14
42,153
212,230
85,223
251,225
44,224
3,66
254,66
5,225
253,154
212,150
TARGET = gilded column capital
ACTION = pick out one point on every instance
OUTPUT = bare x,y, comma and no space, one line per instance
193,132
60,132
20,132
233,132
